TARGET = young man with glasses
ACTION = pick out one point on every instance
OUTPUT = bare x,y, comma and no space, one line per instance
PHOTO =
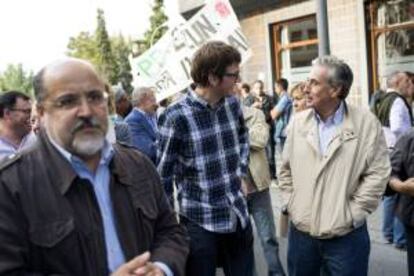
15,125
77,205
203,148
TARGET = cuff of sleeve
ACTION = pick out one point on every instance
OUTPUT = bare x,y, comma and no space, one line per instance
167,271
358,214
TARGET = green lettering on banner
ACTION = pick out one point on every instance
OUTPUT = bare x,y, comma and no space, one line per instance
153,58
144,67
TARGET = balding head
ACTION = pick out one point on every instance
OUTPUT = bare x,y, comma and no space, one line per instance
62,70
72,104
399,82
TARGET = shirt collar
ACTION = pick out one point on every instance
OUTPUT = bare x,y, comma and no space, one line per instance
335,118
106,154
194,97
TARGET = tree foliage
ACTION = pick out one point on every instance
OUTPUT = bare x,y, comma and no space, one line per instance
108,54
83,46
157,19
106,60
121,49
16,78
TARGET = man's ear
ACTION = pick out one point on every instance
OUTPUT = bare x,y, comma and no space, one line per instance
213,80
336,91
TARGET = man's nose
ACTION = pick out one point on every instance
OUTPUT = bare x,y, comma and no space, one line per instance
84,108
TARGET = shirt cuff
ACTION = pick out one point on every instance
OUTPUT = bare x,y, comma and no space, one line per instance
167,271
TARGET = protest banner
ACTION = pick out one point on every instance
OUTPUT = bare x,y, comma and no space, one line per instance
166,65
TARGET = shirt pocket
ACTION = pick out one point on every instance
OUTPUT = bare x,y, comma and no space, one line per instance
145,209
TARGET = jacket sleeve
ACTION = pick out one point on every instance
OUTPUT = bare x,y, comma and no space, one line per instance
258,131
140,138
375,177
285,173
244,143
171,243
400,155
14,240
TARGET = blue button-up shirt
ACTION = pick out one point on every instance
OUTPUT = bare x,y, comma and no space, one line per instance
328,128
100,183
8,149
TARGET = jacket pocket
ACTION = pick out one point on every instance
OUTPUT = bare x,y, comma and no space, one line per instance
51,233
145,210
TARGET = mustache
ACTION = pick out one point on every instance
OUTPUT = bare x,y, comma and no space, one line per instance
85,122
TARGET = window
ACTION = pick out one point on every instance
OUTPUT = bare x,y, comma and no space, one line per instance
295,45
391,38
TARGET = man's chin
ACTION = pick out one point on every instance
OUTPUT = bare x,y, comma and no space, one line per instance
88,144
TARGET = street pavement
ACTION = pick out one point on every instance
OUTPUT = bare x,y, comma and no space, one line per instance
385,260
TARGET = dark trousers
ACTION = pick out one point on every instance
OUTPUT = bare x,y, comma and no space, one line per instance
342,256
270,154
208,250
409,232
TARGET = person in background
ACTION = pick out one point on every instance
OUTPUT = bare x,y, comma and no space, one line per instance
394,112
248,99
264,102
163,104
203,148
15,125
256,185
35,119
118,130
298,96
77,205
122,104
142,121
335,169
402,181
280,114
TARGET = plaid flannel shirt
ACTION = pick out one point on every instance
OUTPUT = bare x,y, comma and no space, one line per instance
204,151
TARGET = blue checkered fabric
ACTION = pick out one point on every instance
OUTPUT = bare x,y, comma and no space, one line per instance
204,151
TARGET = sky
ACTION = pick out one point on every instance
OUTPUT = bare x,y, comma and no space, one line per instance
36,32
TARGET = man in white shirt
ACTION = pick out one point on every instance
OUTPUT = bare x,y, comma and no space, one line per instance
396,117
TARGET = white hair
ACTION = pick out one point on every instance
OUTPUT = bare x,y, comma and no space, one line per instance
140,93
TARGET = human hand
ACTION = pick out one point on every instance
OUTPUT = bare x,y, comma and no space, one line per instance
139,266
408,186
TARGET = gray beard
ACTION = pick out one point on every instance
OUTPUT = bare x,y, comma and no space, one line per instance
88,145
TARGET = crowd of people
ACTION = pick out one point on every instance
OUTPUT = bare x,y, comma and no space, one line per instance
94,181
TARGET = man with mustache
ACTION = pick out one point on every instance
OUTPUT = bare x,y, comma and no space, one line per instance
77,205
15,127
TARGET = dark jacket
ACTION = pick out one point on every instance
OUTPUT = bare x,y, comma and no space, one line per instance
402,162
50,221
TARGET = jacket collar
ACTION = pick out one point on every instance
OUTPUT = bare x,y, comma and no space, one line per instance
345,132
